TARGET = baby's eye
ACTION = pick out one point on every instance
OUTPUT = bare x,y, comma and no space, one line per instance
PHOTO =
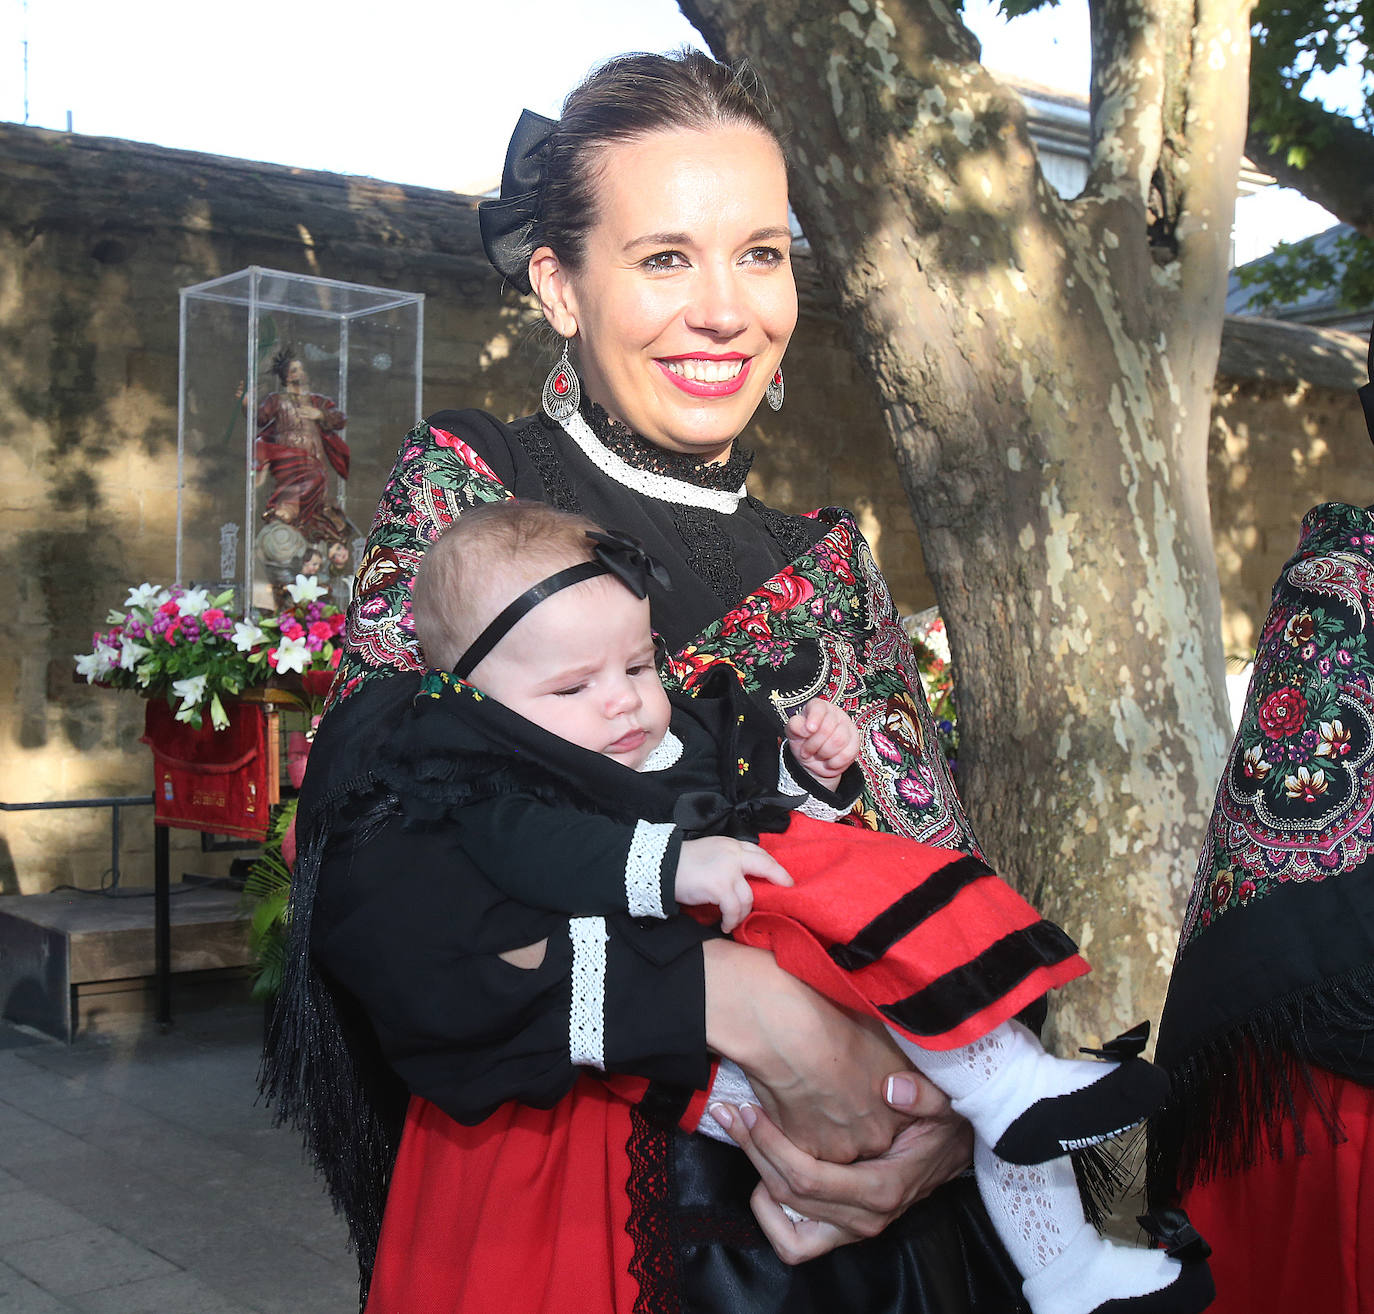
570,692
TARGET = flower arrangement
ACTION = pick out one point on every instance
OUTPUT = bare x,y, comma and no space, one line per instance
182,644
926,630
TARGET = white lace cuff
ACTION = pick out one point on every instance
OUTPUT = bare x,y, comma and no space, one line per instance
644,868
813,807
587,1015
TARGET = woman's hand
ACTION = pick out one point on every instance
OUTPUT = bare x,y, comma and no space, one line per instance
818,1071
848,1202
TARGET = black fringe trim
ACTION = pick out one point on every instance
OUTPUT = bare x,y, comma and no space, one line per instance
1233,1098
323,1074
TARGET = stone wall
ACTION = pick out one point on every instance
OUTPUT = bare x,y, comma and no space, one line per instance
97,237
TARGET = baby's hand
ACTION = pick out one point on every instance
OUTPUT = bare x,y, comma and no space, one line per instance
713,870
824,741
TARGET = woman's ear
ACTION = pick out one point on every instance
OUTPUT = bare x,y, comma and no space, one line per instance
552,286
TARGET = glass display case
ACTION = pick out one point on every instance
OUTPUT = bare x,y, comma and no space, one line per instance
294,394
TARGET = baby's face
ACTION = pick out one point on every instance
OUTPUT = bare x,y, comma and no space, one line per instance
581,666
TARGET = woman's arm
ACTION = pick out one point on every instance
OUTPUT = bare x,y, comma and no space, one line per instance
844,1158
818,1070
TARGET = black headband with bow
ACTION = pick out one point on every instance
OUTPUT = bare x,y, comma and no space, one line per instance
616,553
506,221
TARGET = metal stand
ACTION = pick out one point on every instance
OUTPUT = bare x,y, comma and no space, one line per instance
162,925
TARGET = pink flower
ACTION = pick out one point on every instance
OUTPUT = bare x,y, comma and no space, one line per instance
884,747
323,631
169,608
291,627
912,791
443,438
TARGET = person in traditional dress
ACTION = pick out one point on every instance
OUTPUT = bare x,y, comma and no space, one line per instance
651,223
1268,1026
536,620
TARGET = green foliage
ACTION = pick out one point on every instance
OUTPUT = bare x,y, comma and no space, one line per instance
1292,43
1297,268
265,892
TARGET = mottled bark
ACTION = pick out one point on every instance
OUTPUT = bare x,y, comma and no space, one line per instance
1045,369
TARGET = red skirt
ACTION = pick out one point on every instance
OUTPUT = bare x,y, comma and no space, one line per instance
527,1211
1296,1235
929,940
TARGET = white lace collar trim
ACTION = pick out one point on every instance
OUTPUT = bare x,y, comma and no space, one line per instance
662,488
666,754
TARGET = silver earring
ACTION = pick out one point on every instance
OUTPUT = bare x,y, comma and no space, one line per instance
562,391
774,390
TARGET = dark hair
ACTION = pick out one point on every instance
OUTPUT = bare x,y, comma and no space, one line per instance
281,362
628,97
483,561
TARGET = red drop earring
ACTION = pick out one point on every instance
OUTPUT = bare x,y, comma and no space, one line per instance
562,391
774,390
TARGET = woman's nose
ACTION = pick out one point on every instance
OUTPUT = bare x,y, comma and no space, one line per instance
718,305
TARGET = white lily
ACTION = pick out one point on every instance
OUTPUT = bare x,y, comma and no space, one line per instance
248,636
95,665
194,601
292,655
306,589
148,596
131,653
191,691
219,718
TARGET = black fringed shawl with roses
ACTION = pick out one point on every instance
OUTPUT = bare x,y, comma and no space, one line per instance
1275,969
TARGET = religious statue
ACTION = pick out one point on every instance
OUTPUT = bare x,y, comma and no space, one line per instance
298,432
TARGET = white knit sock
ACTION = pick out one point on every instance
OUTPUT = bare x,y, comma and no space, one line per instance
996,1078
1068,1268
731,1086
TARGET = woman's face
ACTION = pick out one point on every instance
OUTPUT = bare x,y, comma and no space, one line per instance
685,300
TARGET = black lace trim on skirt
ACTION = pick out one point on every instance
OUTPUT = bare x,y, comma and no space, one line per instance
650,1188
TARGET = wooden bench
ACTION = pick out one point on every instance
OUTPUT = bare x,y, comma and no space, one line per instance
61,952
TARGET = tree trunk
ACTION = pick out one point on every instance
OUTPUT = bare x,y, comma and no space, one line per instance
1045,369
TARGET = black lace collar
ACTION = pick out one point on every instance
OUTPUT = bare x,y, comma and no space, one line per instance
726,476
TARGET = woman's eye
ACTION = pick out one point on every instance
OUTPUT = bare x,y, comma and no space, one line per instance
764,255
664,260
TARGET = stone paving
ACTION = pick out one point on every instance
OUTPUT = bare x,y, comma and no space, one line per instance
139,1176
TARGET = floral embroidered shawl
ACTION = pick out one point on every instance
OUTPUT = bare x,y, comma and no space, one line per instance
823,626
1275,971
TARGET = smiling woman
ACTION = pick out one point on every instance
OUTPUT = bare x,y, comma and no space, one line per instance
651,222
682,329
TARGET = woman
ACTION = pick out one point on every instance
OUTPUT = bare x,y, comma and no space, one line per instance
1266,1028
652,224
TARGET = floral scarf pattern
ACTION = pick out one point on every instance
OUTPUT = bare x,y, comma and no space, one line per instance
823,626
1296,801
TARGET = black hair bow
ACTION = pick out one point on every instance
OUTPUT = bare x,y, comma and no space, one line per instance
624,556
506,221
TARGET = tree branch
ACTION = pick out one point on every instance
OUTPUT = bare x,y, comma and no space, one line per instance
1339,170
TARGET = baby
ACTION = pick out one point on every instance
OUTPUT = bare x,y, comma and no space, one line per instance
539,612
